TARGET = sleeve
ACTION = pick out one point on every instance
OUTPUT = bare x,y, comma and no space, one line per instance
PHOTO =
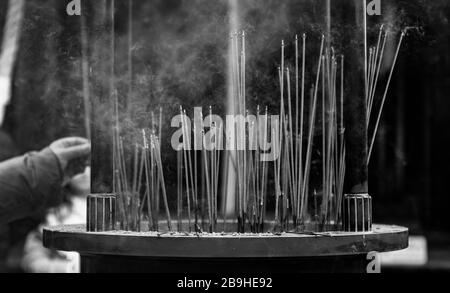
29,184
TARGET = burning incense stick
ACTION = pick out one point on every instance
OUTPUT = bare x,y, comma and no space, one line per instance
290,137
148,191
179,190
300,140
368,75
324,134
157,148
280,131
208,186
312,123
186,164
154,187
380,62
296,158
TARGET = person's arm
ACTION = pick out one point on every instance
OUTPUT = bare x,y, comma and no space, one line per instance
29,184
33,182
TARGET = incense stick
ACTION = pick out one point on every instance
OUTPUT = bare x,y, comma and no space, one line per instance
300,149
311,129
208,186
324,135
290,153
147,179
380,62
384,97
186,165
179,190
296,158
157,150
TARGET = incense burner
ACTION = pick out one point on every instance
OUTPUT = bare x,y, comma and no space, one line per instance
317,155
108,250
121,251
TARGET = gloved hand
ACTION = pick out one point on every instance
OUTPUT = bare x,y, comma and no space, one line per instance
73,154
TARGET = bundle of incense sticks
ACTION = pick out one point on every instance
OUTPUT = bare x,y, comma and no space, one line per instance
191,192
132,173
139,178
239,94
251,171
293,167
292,170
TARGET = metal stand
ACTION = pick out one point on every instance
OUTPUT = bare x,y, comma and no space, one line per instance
101,213
357,213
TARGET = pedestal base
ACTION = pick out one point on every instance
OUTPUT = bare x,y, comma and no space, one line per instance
131,252
125,264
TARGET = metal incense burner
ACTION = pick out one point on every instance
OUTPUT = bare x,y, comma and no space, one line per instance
339,199
106,250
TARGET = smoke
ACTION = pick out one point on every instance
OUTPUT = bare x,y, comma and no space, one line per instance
179,54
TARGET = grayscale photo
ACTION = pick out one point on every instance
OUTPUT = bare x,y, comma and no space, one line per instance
224,143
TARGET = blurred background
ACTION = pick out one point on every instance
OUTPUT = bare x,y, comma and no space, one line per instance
179,57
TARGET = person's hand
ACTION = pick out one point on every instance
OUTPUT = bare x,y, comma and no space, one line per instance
72,153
